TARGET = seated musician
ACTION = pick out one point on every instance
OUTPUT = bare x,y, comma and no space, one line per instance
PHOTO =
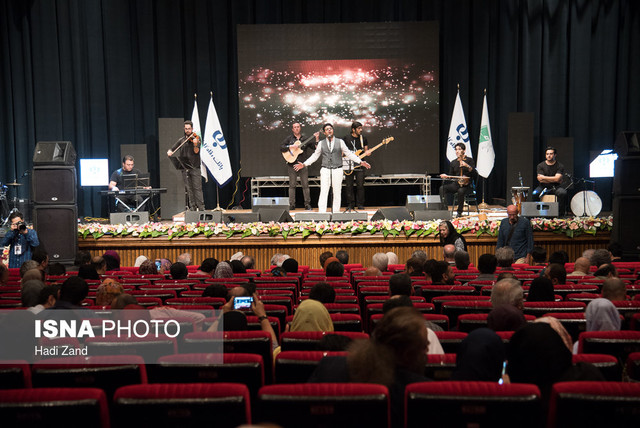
116,183
461,171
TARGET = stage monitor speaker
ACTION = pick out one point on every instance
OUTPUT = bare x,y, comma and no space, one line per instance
57,227
424,202
274,214
138,217
627,143
257,203
430,215
392,213
203,216
54,153
313,216
539,209
625,230
343,217
54,185
233,217
626,179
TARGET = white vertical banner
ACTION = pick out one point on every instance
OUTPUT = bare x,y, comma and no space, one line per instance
486,154
213,152
458,132
195,118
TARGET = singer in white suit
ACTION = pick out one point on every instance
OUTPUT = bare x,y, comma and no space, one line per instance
332,149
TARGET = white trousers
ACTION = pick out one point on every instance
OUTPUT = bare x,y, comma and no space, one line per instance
330,178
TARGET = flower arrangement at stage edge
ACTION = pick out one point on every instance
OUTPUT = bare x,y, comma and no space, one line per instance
571,227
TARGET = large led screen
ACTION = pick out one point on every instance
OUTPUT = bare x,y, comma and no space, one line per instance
384,75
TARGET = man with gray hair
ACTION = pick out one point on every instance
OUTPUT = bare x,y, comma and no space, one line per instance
462,260
185,258
419,254
505,257
380,261
600,257
507,291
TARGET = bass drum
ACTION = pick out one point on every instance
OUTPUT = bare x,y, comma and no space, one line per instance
586,202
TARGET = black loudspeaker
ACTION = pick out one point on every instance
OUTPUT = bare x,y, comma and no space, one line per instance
626,179
393,213
313,216
539,209
625,230
203,216
258,203
627,143
274,214
232,217
431,215
424,202
54,185
54,153
343,217
138,217
57,228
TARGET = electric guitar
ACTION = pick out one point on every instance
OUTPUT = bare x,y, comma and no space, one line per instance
360,153
296,149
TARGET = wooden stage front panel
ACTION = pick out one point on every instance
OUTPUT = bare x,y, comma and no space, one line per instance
306,251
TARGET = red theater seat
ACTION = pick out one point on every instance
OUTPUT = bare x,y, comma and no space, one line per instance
297,366
15,374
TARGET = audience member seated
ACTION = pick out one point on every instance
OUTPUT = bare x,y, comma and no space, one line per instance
600,257
207,267
57,269
223,270
505,256
561,257
72,292
342,256
442,274
33,274
558,328
541,290
278,271
27,266
179,271
88,272
380,261
248,261
615,249
449,254
165,266
140,260
30,292
124,300
4,274
505,275
185,258
41,257
480,357
399,301
99,265
47,298
449,235
462,260
414,267
507,291
216,290
580,267
392,258
323,258
394,356
400,285
606,271
148,268
334,343
238,291
311,315
112,260
614,289
237,266
107,291
506,318
82,258
430,268
536,354
323,293
487,264
290,265
601,315
335,269
372,271
538,256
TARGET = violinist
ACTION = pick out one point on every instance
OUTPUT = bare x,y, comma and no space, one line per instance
187,150
461,171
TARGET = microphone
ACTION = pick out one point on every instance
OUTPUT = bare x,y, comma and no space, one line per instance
520,179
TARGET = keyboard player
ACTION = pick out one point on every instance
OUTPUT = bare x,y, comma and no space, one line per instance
125,203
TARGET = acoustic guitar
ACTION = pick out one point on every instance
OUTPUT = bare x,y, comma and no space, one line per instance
360,153
296,149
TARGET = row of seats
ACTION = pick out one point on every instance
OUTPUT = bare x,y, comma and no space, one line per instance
436,404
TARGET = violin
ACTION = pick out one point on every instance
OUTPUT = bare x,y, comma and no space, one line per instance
194,137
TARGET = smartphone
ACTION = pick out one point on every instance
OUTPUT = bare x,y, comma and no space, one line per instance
504,371
242,302
158,264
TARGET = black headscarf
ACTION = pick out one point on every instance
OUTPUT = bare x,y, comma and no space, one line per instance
541,290
452,236
480,357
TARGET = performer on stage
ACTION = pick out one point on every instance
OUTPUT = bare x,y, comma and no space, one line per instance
331,149
355,141
462,166
116,183
550,174
295,140
188,148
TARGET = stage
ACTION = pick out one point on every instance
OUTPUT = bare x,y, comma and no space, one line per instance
305,241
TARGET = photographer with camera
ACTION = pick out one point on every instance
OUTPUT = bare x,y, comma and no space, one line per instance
21,239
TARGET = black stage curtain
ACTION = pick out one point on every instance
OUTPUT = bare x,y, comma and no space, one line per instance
101,72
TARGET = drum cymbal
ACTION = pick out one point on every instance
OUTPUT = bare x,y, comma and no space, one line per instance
15,183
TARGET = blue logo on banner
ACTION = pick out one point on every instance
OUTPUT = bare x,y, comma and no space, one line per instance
219,139
462,133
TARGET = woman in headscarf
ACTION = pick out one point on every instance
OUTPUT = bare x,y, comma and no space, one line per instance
449,235
541,290
480,357
311,315
601,315
107,291
223,270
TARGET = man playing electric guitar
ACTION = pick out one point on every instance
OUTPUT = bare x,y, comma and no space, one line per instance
295,150
355,142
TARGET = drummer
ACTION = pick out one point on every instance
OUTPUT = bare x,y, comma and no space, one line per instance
518,196
550,174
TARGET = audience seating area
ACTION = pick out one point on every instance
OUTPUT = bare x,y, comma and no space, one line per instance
247,384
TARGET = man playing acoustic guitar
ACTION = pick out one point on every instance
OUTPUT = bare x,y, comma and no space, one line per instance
295,150
461,170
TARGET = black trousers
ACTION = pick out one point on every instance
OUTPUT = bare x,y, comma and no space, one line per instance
454,187
356,176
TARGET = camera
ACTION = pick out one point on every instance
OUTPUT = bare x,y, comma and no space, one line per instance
21,226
